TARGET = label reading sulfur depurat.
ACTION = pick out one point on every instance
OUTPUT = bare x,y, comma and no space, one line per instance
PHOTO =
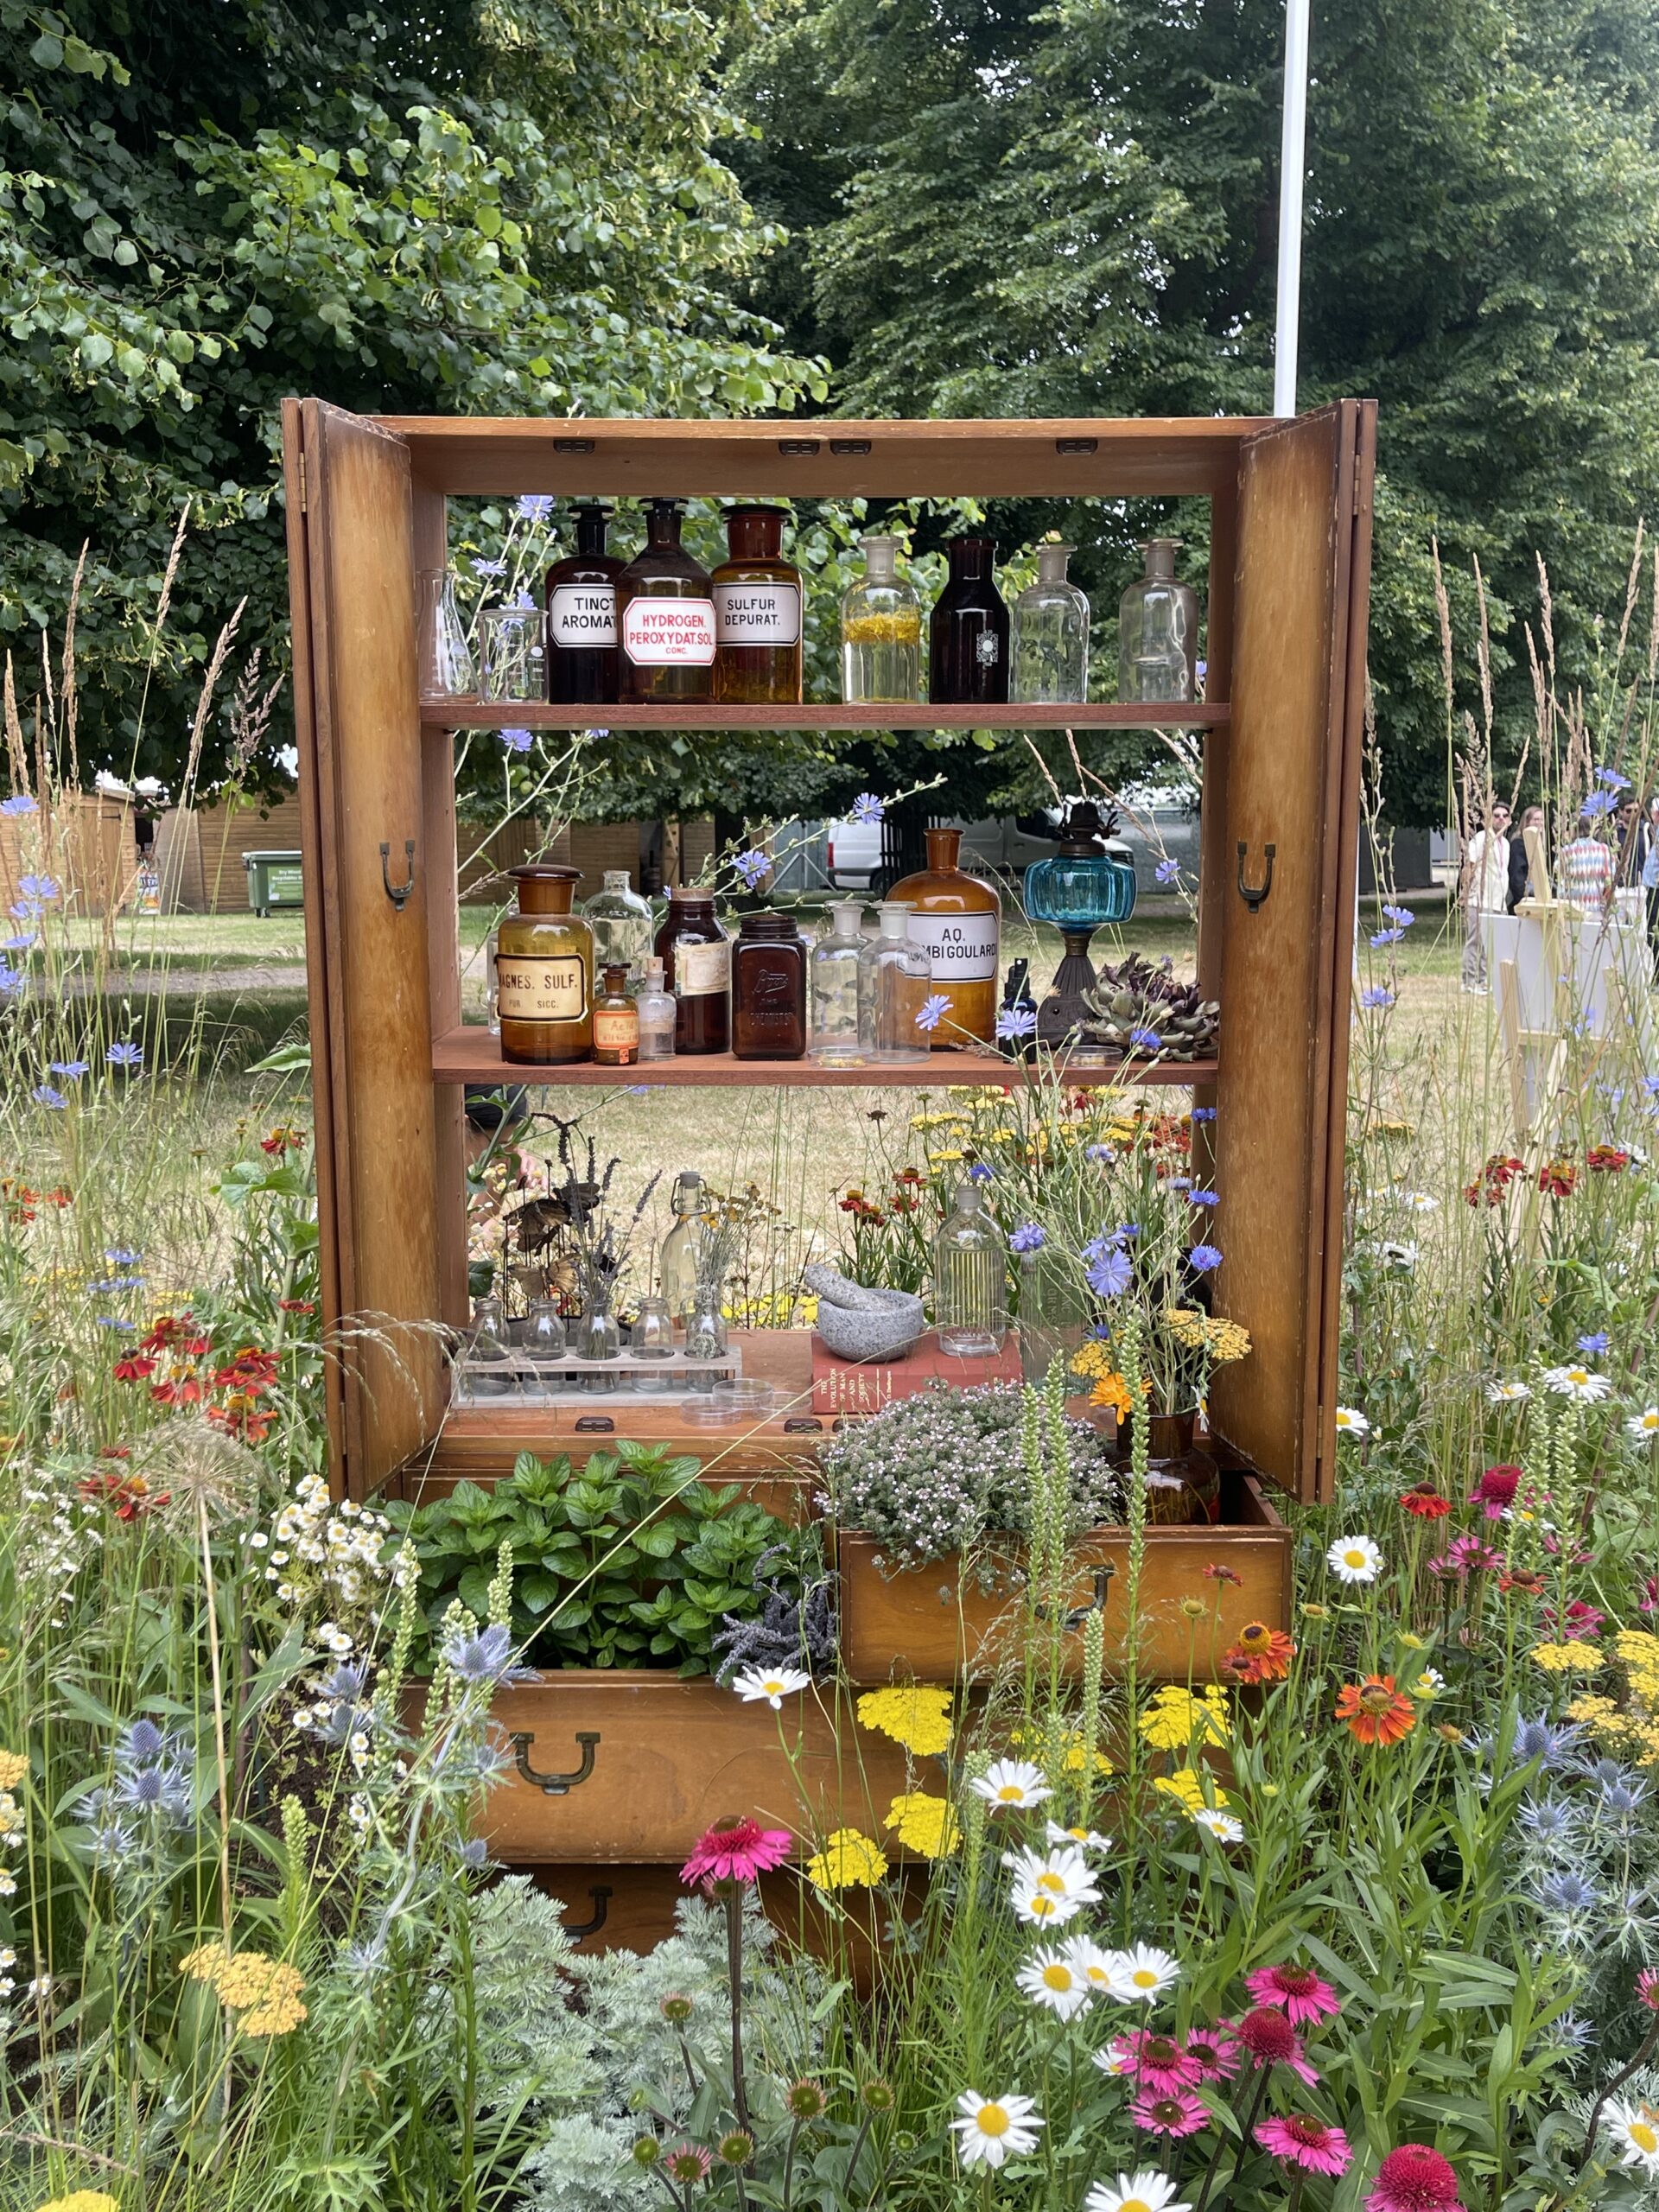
961,948
541,986
757,615
583,614
669,633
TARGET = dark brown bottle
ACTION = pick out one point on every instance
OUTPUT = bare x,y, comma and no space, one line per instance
968,631
757,611
665,614
697,960
769,990
584,663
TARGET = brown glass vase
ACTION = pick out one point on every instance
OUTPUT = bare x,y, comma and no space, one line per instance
544,972
957,919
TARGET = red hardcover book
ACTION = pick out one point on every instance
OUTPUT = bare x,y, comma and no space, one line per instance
846,1386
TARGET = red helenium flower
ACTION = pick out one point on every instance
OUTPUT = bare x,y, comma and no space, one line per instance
1375,1711
1425,1503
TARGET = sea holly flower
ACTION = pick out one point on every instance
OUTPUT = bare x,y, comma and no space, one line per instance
736,1851
1297,1992
1354,1560
1375,1711
1576,1382
484,1658
754,1682
991,2129
1010,1783
932,1011
1299,2139
1146,2191
1050,1978
1176,2113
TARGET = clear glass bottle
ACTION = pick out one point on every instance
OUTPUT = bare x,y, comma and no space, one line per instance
757,611
1157,631
445,659
1050,633
706,1334
599,1336
880,631
489,1355
832,986
656,1006
584,665
682,1248
666,613
616,1022
622,924
544,1336
968,630
970,1275
544,971
895,977
957,919
653,1329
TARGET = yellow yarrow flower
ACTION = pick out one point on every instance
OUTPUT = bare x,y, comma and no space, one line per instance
264,1992
14,1765
848,1860
1176,1716
83,2200
924,1825
919,1719
1564,1658
1185,1786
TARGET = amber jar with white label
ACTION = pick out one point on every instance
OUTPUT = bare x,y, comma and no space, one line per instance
757,611
665,615
957,919
697,954
544,971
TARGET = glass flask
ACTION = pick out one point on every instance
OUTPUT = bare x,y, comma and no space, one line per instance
445,660
1083,887
970,1268
880,631
1157,631
544,1336
584,664
1050,633
489,1356
833,971
682,1248
895,977
665,611
657,1008
510,652
757,611
544,971
622,924
698,954
957,919
769,990
968,630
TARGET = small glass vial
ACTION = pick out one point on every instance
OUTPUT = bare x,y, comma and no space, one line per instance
622,924
665,614
544,1336
757,611
880,632
970,1270
510,652
895,978
769,990
682,1247
544,971
968,630
489,1356
584,665
1157,631
657,1010
445,661
1050,633
616,1022
833,978
698,956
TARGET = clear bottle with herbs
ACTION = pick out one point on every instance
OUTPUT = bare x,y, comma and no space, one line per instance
880,631
696,955
616,1022
622,924
544,971
665,614
584,661
957,919
769,990
757,611
968,630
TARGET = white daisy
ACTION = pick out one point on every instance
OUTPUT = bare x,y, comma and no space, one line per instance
1581,1384
994,2128
1428,1684
774,1684
1354,1558
1507,1393
1063,1872
1085,1838
1142,1972
1044,1908
1226,1828
1418,1202
1643,1428
1147,2191
1094,1966
1011,1782
1634,2133
1350,1422
1049,1978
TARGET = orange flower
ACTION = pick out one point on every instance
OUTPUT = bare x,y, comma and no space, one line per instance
1260,1654
1375,1711
1112,1390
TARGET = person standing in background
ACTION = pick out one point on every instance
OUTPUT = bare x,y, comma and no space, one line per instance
1589,868
1647,848
1484,887
1520,884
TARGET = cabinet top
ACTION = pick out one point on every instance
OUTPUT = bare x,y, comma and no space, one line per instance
1160,456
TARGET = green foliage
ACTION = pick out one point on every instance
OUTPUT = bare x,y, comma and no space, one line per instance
626,1559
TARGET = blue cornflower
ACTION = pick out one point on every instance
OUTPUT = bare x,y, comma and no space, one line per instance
980,1172
122,1256
517,740
112,1321
44,1095
42,887
1016,1021
1597,1340
1204,1197
1613,780
1109,1272
485,1657
1127,1231
1376,996
749,868
1597,802
1401,915
21,805
1204,1258
1148,1040
1030,1237
1386,936
866,807
70,1068
125,1054
1568,1891
932,1011
1178,1182
117,1282
1097,1152
1168,871
535,507
1203,1112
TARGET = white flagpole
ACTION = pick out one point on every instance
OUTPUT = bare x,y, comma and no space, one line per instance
1292,162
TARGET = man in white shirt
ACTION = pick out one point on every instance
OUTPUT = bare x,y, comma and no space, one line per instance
1485,886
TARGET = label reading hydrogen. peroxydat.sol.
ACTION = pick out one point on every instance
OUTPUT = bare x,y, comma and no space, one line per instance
669,633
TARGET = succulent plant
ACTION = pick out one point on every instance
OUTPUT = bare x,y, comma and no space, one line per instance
1149,1010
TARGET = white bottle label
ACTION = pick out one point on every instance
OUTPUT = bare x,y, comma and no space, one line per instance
960,948
541,986
669,633
583,614
759,614
700,971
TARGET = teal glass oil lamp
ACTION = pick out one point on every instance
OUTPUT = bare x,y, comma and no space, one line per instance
1085,886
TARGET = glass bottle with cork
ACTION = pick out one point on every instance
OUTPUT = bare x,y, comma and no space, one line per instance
657,1009
880,632
665,615
696,957
957,919
544,971
584,663
757,611
769,990
968,631
616,1022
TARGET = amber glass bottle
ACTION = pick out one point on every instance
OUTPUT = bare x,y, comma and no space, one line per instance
697,957
665,614
544,971
957,919
757,611
616,1023
968,630
769,990
584,664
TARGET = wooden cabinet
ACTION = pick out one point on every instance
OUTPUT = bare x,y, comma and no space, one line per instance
1281,730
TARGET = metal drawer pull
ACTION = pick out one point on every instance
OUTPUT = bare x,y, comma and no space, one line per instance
1079,1614
1077,445
1254,898
797,445
802,1425
399,892
555,1785
576,1929
594,1425
849,445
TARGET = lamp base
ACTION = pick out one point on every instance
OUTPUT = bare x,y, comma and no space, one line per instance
1061,1014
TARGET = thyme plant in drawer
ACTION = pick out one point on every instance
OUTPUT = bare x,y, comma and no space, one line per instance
623,1560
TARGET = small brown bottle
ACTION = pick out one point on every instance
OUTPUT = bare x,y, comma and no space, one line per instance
757,611
544,971
616,1023
697,956
769,990
665,615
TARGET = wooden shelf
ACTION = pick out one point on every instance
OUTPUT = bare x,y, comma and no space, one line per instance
536,713
473,1055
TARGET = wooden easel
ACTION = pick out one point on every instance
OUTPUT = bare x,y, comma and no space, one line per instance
1545,908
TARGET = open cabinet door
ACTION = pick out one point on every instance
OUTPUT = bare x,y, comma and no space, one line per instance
351,588
1292,800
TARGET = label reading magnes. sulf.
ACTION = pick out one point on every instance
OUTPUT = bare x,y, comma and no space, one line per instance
541,986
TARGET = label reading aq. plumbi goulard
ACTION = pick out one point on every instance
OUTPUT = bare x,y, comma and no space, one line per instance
541,986
962,948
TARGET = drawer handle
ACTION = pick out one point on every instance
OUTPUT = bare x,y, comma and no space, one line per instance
399,892
1079,1614
802,1425
602,1898
594,1425
1256,898
555,1785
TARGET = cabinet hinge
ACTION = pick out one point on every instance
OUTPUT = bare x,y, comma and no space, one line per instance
302,506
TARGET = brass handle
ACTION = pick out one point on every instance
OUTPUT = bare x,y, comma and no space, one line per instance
576,1929
1079,1614
1257,897
555,1785
399,892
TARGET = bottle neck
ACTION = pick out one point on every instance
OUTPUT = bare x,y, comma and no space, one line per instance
755,534
545,895
615,879
880,560
970,558
944,850
1160,559
663,530
1051,564
590,531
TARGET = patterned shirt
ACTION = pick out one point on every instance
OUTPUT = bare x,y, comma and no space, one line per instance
1587,868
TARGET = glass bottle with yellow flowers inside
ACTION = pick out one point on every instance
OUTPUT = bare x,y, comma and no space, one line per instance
880,632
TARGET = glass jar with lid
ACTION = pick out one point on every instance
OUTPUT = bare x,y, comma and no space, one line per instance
1050,633
833,973
622,924
697,967
757,611
544,971
769,990
895,978
1157,631
880,631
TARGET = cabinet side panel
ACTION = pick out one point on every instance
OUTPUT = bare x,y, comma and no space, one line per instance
368,747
